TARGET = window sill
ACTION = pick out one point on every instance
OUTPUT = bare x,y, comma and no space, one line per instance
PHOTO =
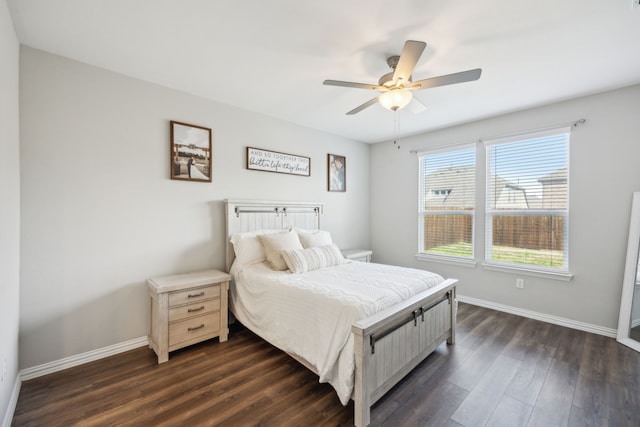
469,263
529,272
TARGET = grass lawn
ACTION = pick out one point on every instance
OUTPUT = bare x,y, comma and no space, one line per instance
542,258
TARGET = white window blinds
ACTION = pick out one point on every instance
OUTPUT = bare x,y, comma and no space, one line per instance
528,201
447,202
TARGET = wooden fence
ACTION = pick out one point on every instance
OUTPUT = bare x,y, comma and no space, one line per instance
544,232
442,230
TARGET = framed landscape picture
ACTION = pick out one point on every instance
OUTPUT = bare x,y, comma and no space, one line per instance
190,152
336,172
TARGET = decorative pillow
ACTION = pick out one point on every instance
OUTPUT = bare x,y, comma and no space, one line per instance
248,248
303,260
314,238
275,243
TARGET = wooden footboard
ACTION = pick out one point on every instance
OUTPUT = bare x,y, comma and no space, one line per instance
389,344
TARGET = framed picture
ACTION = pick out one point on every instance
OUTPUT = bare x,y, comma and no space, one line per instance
190,152
272,161
336,172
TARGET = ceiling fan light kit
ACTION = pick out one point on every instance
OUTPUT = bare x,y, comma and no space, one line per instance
395,87
395,99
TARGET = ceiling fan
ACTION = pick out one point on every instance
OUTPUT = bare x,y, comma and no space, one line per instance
396,87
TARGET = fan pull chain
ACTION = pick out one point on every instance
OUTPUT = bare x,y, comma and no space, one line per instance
396,129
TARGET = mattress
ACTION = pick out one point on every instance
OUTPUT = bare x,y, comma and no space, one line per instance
310,314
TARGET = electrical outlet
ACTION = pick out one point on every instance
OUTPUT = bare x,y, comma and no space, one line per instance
520,283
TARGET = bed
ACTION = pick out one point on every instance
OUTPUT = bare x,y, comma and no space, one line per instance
361,342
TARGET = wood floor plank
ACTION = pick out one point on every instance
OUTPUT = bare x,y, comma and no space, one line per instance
504,370
580,417
510,412
592,396
624,405
494,334
553,405
569,344
480,331
480,403
432,407
470,372
468,319
527,383
527,337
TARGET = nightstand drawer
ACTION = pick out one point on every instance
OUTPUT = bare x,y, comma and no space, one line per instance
196,309
194,295
363,255
194,328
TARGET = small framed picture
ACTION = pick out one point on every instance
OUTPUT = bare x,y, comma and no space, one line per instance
336,172
190,152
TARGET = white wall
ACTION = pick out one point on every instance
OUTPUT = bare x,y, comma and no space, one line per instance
9,206
604,172
100,213
635,306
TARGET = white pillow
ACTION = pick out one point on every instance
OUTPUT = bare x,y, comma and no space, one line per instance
303,260
275,243
248,248
314,238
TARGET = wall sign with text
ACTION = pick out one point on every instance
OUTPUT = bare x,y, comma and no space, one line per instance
273,161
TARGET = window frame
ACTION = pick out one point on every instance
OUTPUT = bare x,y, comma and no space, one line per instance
561,273
423,212
483,220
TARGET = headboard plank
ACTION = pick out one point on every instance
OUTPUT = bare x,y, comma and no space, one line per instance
253,215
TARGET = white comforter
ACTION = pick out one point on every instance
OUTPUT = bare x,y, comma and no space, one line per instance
311,314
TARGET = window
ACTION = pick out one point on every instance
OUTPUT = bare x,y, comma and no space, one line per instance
527,202
447,202
526,210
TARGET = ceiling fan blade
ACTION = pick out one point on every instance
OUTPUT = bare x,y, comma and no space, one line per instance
369,103
350,84
448,79
408,59
415,106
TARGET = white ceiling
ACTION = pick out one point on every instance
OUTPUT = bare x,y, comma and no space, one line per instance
272,56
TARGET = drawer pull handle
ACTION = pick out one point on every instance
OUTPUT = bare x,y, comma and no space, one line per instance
196,328
193,310
201,294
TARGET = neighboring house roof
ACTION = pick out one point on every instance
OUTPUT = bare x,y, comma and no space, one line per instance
454,187
451,187
556,177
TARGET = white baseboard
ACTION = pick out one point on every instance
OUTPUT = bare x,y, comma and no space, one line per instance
587,327
13,401
79,359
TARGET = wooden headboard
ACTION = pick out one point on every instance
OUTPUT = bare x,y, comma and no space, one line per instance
254,215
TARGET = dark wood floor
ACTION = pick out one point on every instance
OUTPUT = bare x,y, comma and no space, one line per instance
504,370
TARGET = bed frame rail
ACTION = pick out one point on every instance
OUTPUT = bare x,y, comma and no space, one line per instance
415,315
389,344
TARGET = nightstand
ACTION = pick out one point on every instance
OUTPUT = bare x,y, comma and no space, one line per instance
363,255
186,309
